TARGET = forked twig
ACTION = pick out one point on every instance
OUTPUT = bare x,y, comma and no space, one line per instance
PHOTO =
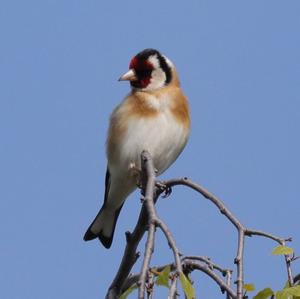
149,220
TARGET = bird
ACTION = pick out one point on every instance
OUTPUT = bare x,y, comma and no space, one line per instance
154,117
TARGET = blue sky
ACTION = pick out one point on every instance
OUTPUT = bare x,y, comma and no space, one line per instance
238,63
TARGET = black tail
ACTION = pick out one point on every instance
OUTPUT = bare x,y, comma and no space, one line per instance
101,223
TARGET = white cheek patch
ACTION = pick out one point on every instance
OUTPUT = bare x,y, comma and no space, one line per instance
154,61
158,79
158,76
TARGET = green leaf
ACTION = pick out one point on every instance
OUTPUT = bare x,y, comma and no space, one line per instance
293,291
281,249
249,287
264,294
281,295
163,277
288,293
128,291
187,287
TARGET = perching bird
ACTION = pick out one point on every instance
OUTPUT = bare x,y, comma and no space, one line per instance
153,117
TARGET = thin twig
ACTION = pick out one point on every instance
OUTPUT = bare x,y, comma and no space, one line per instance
294,258
228,282
130,255
147,257
213,266
209,262
150,285
205,268
147,163
149,171
281,241
239,261
133,279
216,201
191,264
288,261
242,231
153,221
252,232
173,288
148,216
171,243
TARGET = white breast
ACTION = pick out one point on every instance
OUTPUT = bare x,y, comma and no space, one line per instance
163,136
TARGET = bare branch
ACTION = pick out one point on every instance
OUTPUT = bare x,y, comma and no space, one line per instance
172,244
239,261
208,262
153,221
150,285
205,268
147,257
149,183
149,219
220,205
173,289
251,232
294,258
190,264
242,231
129,257
228,282
288,261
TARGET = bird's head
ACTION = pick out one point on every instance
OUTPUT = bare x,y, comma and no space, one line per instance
149,70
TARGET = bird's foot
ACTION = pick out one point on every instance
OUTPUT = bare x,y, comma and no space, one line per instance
163,188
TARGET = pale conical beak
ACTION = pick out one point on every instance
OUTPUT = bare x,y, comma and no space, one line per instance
129,76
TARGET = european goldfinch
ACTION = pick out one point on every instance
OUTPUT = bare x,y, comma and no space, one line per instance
153,117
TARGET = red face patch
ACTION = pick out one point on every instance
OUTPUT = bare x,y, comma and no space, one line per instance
143,70
133,63
142,65
145,82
